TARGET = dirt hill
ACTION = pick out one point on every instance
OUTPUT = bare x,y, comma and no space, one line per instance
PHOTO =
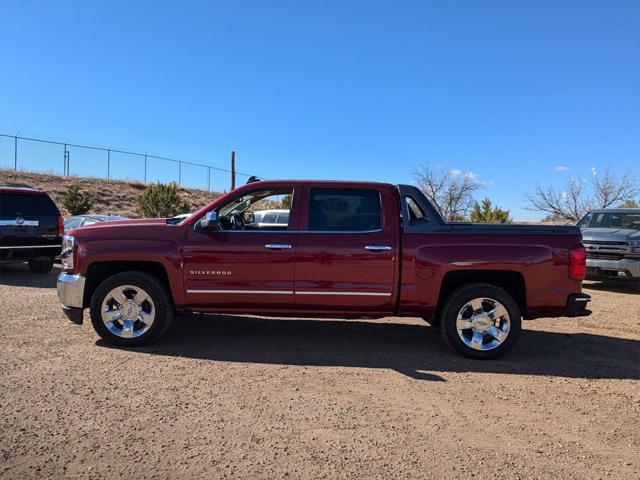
116,197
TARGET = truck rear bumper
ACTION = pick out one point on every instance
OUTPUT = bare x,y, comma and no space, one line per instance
577,305
71,295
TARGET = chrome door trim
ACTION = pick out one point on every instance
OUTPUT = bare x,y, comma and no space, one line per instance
32,246
342,232
291,292
378,248
358,294
267,292
277,246
274,231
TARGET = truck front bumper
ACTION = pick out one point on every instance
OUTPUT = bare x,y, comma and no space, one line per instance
577,305
71,295
627,267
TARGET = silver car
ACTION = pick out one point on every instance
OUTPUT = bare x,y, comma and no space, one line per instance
612,239
78,221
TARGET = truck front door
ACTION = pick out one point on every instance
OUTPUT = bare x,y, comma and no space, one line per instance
248,263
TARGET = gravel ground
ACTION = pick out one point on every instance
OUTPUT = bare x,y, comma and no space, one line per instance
245,397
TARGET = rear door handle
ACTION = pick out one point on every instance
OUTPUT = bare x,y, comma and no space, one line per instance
277,246
378,248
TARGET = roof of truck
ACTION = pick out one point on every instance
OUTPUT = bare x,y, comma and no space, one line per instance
616,210
19,188
317,182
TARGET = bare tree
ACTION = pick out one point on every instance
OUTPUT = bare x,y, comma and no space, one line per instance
450,191
610,189
578,196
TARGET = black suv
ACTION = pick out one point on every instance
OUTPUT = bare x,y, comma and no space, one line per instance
31,227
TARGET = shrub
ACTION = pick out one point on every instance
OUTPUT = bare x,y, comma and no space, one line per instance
75,201
161,201
485,213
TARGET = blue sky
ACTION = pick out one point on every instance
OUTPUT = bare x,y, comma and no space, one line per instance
511,91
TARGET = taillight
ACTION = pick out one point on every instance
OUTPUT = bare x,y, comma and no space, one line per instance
60,226
577,263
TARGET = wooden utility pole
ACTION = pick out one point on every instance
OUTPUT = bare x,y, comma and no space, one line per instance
233,169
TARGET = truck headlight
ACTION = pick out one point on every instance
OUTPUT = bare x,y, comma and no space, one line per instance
635,246
68,246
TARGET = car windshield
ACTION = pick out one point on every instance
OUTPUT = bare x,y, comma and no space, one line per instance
620,220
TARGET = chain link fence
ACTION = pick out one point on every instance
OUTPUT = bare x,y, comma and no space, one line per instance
66,158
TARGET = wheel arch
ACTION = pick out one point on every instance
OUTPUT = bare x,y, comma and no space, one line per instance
97,272
509,280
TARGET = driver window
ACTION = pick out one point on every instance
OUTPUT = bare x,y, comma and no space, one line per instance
258,210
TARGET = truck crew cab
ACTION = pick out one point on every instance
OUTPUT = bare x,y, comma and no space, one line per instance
349,249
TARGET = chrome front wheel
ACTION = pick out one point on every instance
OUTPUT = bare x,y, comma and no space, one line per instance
128,311
131,308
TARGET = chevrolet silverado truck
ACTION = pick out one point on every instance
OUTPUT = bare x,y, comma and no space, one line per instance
347,249
612,239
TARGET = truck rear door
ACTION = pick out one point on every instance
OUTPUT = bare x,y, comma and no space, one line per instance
348,249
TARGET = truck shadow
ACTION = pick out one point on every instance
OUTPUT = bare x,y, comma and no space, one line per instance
413,350
19,275
617,286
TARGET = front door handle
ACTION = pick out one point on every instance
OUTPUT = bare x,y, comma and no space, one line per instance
277,246
378,248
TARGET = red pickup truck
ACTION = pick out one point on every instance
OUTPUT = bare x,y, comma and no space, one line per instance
347,249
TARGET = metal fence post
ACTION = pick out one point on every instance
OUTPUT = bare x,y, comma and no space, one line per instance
15,153
66,161
233,169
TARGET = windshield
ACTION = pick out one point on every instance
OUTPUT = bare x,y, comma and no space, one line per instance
621,220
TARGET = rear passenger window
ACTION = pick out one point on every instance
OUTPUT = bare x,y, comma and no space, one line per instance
416,214
13,205
344,210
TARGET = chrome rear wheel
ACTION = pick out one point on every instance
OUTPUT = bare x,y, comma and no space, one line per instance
483,323
480,321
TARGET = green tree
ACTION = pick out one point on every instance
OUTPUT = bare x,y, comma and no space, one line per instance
286,202
161,201
486,213
75,201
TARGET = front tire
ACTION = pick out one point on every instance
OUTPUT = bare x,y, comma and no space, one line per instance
480,321
41,266
131,309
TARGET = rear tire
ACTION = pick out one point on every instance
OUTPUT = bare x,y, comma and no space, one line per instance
480,321
131,309
41,266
